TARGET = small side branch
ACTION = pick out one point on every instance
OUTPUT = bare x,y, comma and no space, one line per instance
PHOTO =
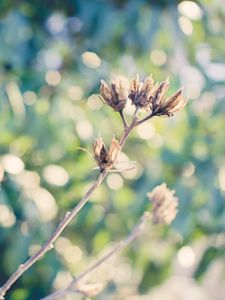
145,119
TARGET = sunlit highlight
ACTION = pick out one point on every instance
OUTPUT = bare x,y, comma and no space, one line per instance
75,93
55,175
45,203
190,10
53,77
146,131
185,25
94,102
91,60
114,181
12,164
186,257
84,129
7,217
158,57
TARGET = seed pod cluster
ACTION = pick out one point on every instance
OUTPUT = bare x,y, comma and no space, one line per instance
143,94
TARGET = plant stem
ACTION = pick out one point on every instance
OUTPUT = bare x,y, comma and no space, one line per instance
70,288
48,245
123,119
145,119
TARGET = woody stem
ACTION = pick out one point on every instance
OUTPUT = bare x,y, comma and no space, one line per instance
69,216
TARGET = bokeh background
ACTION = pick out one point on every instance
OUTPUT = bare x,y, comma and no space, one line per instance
52,57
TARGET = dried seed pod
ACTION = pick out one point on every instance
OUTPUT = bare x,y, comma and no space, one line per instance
148,96
174,103
115,94
164,204
100,152
140,92
114,149
162,106
105,158
157,96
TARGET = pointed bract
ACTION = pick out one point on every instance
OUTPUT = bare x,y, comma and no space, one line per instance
143,94
140,92
105,158
115,94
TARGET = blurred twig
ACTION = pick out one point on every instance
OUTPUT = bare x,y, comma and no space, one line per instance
73,285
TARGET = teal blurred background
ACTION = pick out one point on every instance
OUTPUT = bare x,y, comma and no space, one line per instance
52,57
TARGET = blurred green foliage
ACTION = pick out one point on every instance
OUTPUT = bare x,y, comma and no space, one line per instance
52,56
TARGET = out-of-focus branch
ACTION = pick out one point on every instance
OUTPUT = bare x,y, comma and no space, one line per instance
73,287
49,244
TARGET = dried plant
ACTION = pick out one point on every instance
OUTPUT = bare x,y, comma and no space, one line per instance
105,158
145,96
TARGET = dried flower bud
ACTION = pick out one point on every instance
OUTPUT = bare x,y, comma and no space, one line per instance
105,158
140,92
162,106
152,97
115,94
164,204
174,103
157,96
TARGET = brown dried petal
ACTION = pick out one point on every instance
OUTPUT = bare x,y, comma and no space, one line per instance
179,106
105,91
173,100
114,150
160,92
97,146
100,151
135,84
147,85
119,88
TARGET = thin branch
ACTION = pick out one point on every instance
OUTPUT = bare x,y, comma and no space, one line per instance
125,125
145,119
136,111
62,225
122,244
